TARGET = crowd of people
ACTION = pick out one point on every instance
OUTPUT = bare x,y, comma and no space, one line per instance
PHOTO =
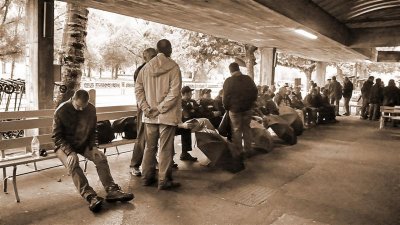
165,110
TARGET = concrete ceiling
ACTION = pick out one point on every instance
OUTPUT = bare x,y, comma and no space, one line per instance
269,23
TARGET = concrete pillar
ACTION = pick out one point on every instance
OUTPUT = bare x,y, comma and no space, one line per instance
40,41
267,67
321,73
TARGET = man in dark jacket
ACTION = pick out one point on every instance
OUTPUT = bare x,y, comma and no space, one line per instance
365,93
347,93
74,132
375,99
138,149
190,110
391,94
240,94
335,94
208,109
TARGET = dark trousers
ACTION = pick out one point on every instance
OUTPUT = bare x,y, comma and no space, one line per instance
186,139
335,101
138,149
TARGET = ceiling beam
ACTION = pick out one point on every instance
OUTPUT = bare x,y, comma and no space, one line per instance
375,37
370,53
311,16
371,24
388,56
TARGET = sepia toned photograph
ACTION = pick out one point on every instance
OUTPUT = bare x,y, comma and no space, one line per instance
209,112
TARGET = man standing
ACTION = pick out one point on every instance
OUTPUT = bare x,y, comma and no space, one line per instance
137,155
375,100
158,94
347,93
240,93
365,94
335,94
74,132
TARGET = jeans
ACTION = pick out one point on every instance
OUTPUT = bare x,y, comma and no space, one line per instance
347,105
241,131
166,134
335,101
71,162
364,107
374,110
138,149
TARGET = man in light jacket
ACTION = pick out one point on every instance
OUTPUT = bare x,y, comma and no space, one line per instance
158,94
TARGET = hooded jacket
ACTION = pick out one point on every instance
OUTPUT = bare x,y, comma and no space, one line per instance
366,89
158,85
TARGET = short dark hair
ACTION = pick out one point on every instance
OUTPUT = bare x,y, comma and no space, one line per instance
81,95
233,67
150,51
334,78
164,46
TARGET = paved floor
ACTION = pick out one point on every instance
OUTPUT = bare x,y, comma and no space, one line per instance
344,173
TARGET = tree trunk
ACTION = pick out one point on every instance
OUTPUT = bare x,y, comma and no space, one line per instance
100,72
89,74
75,41
12,68
250,59
339,74
308,77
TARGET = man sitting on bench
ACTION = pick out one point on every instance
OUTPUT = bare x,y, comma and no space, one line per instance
74,132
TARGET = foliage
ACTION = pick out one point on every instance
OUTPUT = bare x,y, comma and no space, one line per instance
305,65
12,35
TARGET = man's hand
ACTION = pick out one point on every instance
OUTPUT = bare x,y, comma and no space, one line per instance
216,113
152,113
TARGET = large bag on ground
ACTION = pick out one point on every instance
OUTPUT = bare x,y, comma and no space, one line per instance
281,128
127,126
105,133
220,152
262,140
292,117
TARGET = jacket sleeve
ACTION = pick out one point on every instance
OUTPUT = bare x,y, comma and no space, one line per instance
174,91
226,96
140,94
57,135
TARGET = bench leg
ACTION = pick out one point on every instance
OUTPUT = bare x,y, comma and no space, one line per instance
15,183
116,147
5,180
381,123
104,150
34,164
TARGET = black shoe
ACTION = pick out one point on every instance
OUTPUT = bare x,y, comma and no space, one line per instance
149,182
167,185
114,193
135,171
95,203
187,157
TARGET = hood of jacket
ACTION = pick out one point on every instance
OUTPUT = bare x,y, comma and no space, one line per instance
160,65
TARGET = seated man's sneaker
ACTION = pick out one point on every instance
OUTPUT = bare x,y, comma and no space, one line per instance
135,171
187,157
95,203
114,194
167,185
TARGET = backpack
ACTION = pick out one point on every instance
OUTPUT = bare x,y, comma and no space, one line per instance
127,126
105,133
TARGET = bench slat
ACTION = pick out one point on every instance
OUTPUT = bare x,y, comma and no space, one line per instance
117,143
26,114
116,108
23,142
114,115
25,124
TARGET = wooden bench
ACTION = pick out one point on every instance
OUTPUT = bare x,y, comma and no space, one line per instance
42,119
389,112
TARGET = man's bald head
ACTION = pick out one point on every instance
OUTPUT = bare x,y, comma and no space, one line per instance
149,54
164,46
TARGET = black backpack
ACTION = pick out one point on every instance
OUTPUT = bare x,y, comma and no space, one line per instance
127,126
105,133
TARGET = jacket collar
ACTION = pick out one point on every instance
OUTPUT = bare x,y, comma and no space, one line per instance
236,73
